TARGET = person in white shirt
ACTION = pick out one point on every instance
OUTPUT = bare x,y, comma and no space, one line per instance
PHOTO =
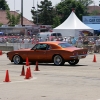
65,39
26,41
79,42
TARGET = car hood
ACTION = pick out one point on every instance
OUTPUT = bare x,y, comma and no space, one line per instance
71,49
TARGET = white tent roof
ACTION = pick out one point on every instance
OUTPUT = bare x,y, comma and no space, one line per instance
72,22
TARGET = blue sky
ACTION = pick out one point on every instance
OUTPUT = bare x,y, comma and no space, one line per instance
28,4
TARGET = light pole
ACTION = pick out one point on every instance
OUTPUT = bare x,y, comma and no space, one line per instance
22,12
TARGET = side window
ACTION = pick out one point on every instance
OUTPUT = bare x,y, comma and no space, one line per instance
35,47
48,47
53,34
41,47
59,34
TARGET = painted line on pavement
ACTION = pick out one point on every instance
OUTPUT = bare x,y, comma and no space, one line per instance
26,80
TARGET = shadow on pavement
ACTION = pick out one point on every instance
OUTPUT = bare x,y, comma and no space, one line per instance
49,64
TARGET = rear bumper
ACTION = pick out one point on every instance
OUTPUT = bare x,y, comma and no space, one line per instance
78,56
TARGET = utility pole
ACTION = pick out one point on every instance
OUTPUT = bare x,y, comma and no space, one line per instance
22,12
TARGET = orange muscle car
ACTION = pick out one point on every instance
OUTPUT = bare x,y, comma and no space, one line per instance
56,52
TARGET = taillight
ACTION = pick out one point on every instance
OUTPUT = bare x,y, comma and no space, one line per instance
75,53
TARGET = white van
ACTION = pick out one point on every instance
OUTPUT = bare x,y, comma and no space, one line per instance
49,35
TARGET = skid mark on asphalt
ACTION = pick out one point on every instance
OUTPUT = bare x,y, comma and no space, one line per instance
27,80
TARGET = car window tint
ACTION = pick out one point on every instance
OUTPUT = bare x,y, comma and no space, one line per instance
53,34
34,47
59,34
41,47
65,45
48,47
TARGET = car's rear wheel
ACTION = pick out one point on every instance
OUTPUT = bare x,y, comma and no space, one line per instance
58,60
73,62
17,59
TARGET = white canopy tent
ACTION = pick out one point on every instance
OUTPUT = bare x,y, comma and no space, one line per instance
72,26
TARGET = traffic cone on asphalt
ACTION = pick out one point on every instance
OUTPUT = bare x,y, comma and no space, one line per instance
27,74
0,52
30,75
27,62
94,59
23,71
36,68
7,77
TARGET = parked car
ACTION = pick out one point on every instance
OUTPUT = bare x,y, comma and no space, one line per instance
49,35
56,52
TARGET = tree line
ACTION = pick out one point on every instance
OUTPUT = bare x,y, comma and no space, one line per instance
47,14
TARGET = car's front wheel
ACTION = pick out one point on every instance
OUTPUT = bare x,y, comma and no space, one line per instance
58,60
17,59
73,62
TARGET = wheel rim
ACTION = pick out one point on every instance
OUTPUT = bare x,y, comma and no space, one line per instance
57,60
72,61
16,59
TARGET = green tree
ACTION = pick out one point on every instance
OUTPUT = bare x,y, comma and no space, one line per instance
56,21
13,20
64,8
85,4
1,24
4,5
44,13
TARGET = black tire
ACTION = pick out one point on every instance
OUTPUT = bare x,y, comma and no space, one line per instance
33,63
17,59
73,62
58,60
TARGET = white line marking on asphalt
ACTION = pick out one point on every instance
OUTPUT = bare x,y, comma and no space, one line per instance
26,80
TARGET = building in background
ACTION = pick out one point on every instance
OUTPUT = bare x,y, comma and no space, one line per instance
4,20
93,20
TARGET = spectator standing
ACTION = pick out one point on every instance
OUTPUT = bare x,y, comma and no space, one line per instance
79,42
91,46
65,39
26,41
85,42
73,41
97,45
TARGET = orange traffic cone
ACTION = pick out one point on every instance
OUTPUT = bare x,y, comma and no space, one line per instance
27,74
7,77
0,52
27,62
23,71
36,68
30,75
94,59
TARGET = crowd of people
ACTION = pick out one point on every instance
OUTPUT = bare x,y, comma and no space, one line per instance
90,42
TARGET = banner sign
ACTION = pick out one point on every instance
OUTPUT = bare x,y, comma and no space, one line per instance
91,19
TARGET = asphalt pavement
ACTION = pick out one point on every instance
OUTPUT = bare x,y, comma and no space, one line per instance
80,82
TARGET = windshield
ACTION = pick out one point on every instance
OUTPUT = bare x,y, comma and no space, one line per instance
65,45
